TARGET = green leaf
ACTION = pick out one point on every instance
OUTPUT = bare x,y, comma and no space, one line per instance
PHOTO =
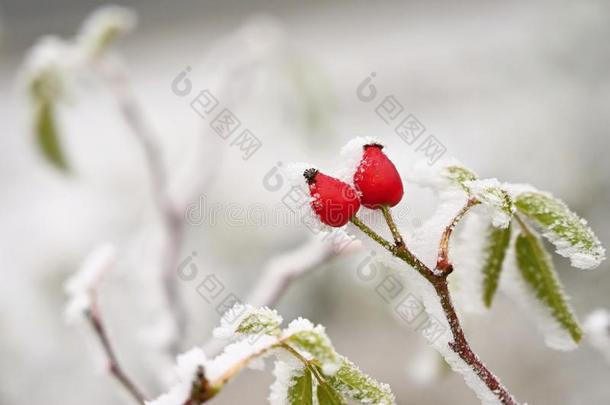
317,344
568,232
497,244
353,383
47,135
537,270
261,321
328,396
301,390
460,175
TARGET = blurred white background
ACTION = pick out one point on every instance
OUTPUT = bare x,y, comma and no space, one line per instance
518,91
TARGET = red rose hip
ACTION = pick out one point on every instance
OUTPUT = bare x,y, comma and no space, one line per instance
377,179
334,201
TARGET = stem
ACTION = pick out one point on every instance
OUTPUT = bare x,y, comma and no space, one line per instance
461,346
442,262
114,73
439,281
398,240
306,363
372,234
93,315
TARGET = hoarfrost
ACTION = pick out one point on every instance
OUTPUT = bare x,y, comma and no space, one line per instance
80,286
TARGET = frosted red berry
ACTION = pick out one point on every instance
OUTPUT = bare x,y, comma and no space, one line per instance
334,201
377,179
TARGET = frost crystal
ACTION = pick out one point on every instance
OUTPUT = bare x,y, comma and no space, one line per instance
185,371
499,203
351,156
570,234
44,68
285,373
446,173
245,319
80,286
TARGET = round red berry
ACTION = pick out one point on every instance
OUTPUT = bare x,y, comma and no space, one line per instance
377,179
334,201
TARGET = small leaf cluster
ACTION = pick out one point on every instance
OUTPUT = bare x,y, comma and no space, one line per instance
521,215
317,373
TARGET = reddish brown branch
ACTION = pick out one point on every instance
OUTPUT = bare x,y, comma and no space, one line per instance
114,366
438,279
461,346
442,262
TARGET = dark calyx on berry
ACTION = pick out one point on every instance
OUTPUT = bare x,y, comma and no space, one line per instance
310,175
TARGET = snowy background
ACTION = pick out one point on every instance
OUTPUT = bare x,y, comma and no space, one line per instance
516,91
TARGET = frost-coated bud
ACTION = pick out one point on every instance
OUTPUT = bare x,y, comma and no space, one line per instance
334,201
377,179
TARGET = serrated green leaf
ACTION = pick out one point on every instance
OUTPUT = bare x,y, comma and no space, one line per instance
316,343
566,230
47,135
262,321
301,389
353,383
537,270
328,396
497,244
460,175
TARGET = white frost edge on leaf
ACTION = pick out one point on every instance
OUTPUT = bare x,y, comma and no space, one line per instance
512,284
597,330
238,352
483,190
184,374
81,284
578,258
285,371
100,22
231,319
351,156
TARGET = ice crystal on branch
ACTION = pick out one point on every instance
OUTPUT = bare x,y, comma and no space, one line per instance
81,285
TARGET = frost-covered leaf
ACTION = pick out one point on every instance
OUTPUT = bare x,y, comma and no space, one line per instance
301,389
353,383
247,320
492,194
460,175
497,244
47,136
328,396
316,343
537,270
262,321
568,232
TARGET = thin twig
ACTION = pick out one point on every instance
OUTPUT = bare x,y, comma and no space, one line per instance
114,73
398,240
95,319
442,262
438,280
